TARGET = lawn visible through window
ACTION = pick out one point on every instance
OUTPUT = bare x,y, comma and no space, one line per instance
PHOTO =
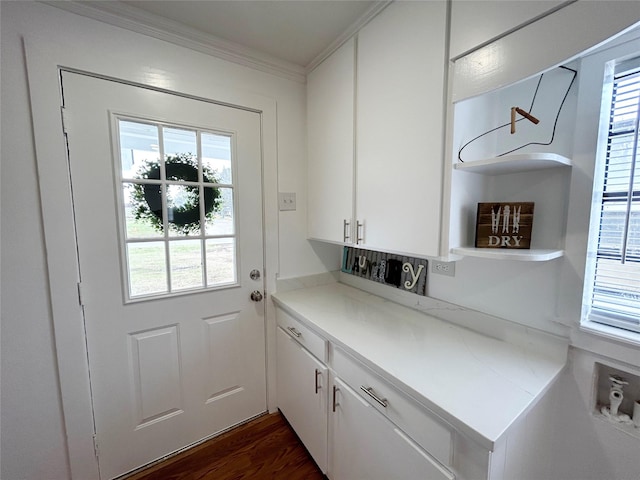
177,208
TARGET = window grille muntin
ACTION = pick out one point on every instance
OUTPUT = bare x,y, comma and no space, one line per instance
213,240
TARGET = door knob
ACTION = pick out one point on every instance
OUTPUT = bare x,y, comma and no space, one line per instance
256,296
254,274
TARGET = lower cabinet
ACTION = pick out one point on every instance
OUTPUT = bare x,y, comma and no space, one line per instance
357,424
342,422
365,445
302,386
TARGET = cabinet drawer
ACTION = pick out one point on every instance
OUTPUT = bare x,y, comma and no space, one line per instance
303,335
413,419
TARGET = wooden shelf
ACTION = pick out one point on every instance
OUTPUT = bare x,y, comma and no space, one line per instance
532,255
520,162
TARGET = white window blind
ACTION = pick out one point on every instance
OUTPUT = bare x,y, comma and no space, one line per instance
615,298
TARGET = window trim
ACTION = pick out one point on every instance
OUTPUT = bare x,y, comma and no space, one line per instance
595,320
166,237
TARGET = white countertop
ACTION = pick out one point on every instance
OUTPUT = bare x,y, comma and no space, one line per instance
478,384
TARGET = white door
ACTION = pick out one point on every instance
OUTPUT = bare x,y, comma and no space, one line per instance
176,346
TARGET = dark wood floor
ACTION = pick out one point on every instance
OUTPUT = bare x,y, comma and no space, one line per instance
265,448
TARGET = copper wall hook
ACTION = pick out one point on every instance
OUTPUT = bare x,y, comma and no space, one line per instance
525,114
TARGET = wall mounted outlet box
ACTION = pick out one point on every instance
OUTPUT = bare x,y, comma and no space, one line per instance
287,201
444,268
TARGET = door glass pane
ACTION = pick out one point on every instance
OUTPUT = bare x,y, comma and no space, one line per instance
181,167
186,264
167,199
147,268
221,261
138,144
183,209
216,157
220,220
140,221
178,141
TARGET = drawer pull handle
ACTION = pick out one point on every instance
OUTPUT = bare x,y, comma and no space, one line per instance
346,227
359,238
317,385
369,391
294,332
335,391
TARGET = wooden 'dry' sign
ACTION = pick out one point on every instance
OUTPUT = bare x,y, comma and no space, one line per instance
504,225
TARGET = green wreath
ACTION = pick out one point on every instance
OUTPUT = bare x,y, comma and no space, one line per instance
147,198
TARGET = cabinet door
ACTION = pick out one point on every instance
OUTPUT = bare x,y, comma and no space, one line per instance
367,446
302,383
330,99
400,127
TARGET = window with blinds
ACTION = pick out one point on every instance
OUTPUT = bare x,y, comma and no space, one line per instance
615,298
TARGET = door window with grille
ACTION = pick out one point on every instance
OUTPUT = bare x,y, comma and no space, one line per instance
176,208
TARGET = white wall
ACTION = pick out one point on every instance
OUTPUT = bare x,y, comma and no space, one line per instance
524,292
585,447
603,451
33,436
549,295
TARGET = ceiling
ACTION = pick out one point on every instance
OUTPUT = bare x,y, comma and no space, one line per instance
296,31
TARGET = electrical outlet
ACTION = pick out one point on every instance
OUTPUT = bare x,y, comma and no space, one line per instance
444,268
287,201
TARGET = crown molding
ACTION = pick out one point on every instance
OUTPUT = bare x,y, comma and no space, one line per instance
353,29
130,18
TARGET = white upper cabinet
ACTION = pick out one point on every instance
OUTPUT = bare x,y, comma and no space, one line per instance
394,173
477,22
399,128
330,118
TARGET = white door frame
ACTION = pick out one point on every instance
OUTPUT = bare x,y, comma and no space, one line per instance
45,58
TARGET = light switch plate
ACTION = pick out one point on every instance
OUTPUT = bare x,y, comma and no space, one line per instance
287,201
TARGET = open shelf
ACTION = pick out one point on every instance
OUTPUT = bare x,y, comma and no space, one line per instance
522,255
520,162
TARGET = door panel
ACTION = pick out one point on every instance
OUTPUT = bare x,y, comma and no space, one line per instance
166,370
155,370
